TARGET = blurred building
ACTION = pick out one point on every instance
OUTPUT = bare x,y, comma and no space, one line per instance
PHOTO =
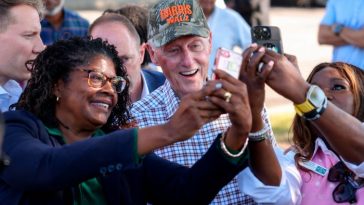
302,3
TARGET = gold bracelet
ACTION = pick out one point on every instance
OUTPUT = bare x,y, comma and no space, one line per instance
226,151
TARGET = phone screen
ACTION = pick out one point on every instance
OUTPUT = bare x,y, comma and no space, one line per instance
229,61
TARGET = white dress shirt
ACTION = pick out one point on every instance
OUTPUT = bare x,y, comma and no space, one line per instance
9,94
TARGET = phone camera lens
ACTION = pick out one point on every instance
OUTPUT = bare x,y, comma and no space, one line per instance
262,33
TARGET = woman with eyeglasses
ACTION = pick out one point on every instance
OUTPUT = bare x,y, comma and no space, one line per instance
66,147
325,165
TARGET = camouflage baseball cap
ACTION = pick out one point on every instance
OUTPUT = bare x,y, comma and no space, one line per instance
170,19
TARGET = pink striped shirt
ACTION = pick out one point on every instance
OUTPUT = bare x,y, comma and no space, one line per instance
316,189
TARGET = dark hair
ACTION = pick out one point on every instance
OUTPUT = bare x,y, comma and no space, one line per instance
6,5
138,16
56,63
303,136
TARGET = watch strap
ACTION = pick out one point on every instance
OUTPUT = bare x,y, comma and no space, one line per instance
304,107
308,109
316,113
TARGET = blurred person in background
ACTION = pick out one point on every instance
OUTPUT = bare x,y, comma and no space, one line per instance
254,12
343,27
229,30
20,43
60,23
120,32
138,16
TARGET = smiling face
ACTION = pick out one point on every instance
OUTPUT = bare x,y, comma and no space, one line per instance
336,87
20,42
82,106
184,62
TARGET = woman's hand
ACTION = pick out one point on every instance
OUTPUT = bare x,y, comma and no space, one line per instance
233,98
254,74
285,77
194,111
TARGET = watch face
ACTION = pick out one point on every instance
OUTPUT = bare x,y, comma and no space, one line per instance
338,28
316,96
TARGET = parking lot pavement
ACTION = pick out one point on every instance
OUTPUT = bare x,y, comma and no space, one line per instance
299,27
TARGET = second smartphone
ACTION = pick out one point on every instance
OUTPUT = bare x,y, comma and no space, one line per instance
267,36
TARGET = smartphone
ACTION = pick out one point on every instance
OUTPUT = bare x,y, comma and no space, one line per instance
228,61
267,36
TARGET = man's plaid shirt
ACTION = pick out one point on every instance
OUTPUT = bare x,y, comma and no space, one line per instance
158,107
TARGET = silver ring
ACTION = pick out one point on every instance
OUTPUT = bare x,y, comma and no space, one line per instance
228,96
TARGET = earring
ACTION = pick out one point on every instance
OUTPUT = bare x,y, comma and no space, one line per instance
57,99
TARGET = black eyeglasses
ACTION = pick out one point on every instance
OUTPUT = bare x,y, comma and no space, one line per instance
346,190
98,79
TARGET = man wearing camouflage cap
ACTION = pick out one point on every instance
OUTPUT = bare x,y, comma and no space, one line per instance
180,42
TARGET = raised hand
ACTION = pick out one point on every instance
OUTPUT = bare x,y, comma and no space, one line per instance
254,73
194,111
232,97
285,77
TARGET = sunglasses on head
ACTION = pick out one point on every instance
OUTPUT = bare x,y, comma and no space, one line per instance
348,183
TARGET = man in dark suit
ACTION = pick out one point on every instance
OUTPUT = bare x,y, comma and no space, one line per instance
120,32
